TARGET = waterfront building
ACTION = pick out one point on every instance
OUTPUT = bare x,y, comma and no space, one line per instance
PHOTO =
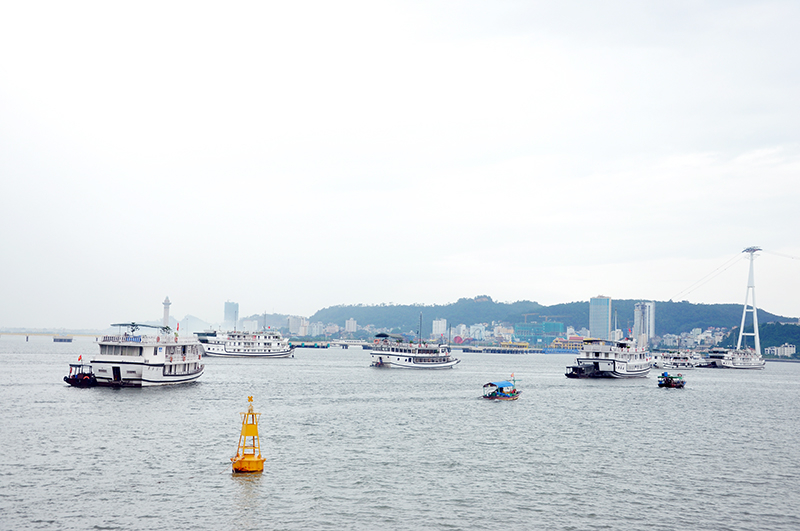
316,329
644,322
477,331
600,317
538,333
785,350
298,326
570,343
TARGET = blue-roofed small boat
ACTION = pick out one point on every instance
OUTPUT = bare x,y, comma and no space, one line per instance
675,382
502,390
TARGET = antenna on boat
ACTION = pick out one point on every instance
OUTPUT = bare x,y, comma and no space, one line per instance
751,285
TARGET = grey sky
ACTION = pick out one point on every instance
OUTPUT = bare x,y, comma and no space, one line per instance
295,155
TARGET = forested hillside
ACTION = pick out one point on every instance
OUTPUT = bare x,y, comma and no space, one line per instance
671,317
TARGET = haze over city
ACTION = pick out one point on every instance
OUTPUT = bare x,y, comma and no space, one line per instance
294,156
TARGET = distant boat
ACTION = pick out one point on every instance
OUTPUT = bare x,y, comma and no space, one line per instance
62,339
668,380
389,351
264,344
722,358
502,390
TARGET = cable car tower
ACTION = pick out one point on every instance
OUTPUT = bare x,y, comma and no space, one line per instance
751,288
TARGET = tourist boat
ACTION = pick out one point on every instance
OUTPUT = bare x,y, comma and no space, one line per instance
264,344
389,351
667,380
134,360
605,358
722,358
502,390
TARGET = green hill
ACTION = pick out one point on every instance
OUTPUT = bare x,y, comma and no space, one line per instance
671,317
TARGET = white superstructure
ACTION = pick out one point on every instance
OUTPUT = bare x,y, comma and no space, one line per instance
603,358
131,360
264,344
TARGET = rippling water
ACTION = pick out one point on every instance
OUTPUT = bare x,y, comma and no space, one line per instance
352,447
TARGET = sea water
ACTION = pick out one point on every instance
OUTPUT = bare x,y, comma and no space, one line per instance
348,446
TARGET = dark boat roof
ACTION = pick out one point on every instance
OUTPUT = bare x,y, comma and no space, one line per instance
393,336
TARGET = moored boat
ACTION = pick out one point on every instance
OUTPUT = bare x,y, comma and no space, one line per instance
722,358
605,358
668,380
134,360
502,390
389,351
264,344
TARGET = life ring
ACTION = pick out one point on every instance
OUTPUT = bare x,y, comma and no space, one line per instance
184,358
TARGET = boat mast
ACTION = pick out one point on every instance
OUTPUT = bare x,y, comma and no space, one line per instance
751,287
419,332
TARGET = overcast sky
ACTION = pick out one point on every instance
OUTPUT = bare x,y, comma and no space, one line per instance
291,156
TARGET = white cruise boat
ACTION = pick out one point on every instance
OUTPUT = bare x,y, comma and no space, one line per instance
134,360
604,358
388,351
264,344
674,360
722,358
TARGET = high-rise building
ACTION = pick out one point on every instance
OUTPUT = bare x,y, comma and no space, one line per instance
439,328
644,322
231,314
600,317
350,326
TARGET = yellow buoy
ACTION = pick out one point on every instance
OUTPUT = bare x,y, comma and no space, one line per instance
248,455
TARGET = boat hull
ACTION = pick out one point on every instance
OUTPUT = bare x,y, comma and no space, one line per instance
129,374
388,362
222,354
605,369
513,397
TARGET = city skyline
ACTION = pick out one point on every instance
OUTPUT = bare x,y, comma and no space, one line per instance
295,157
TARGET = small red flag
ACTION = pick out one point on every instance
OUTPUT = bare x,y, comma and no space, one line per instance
80,357
179,326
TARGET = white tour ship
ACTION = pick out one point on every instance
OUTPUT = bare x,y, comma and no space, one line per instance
264,344
746,358
389,351
134,360
604,358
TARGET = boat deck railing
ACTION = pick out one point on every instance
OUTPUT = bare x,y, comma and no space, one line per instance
126,338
